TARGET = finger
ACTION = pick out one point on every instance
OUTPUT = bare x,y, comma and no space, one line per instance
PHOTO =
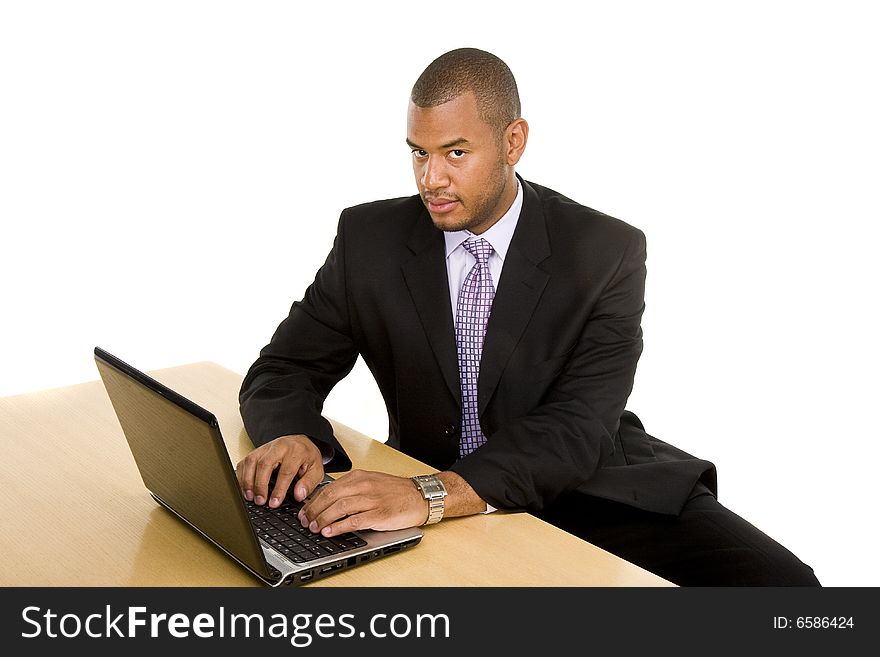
314,504
322,497
352,523
286,472
353,484
338,511
244,472
310,476
265,467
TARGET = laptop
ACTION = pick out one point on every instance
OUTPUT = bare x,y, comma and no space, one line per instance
185,466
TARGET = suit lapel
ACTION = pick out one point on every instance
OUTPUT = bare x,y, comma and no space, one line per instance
426,279
517,293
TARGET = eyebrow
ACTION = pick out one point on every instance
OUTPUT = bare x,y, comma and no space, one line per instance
461,141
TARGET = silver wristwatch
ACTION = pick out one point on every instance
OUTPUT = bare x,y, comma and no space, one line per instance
434,491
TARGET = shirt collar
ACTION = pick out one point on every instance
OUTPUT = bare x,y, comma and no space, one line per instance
499,235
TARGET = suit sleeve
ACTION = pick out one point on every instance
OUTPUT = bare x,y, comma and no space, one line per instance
284,390
529,461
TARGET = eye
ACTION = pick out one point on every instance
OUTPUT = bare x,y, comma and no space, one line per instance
419,153
456,154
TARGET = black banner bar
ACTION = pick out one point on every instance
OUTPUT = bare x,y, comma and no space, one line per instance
437,620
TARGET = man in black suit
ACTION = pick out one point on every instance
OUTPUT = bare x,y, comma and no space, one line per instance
501,321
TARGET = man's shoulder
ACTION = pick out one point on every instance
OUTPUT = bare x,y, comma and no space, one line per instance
570,216
391,210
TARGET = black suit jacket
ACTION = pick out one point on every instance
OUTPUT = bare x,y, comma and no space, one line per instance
558,362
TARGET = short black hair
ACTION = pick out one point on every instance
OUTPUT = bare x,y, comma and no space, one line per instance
469,69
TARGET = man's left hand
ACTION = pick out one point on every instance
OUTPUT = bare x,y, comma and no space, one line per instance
364,500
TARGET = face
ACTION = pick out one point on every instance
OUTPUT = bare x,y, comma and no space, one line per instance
464,173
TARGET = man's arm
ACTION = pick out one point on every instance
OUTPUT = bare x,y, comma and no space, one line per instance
283,393
528,462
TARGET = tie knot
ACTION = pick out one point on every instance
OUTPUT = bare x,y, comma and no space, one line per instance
480,249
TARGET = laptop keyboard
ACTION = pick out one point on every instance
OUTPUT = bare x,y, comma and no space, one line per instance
281,529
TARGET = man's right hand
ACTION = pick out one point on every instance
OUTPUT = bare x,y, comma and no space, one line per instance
295,457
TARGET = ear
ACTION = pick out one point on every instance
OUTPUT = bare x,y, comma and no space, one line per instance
515,137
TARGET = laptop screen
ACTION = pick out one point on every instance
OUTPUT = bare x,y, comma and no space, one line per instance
181,457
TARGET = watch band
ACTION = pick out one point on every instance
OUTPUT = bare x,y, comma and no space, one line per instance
434,492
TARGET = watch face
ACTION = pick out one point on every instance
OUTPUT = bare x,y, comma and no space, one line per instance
431,486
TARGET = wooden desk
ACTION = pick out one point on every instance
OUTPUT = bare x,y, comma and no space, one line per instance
75,511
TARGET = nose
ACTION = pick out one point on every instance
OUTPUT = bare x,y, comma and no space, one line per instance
434,174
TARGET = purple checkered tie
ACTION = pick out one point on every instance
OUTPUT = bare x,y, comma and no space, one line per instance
472,315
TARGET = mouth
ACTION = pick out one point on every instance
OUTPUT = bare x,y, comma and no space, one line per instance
440,205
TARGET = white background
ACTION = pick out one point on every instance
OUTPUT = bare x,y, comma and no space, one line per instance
171,174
